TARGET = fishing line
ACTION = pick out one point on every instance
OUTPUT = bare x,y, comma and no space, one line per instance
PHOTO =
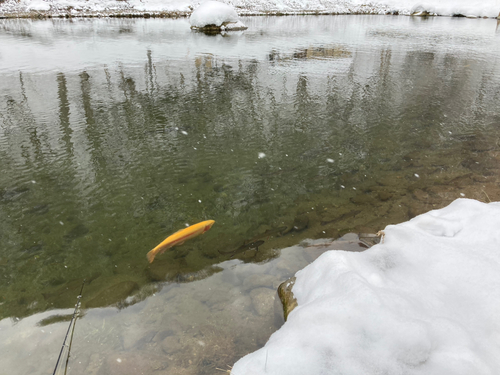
71,323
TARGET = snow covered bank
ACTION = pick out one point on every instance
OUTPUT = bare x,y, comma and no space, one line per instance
425,301
175,8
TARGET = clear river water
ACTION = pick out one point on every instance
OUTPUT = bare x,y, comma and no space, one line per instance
115,133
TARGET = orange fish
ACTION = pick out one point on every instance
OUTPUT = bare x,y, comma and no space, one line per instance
179,237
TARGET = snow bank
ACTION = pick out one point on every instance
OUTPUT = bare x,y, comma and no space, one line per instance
425,301
477,8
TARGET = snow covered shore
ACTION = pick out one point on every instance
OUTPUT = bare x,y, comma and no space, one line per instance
180,8
425,301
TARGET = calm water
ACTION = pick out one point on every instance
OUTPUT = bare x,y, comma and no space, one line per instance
116,133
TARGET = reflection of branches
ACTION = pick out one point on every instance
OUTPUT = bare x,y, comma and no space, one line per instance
62,94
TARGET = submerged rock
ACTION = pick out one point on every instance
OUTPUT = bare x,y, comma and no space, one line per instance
263,301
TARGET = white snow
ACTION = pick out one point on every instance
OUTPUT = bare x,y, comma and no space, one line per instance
38,5
474,8
213,13
425,301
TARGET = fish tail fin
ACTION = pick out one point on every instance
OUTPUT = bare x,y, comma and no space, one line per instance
151,256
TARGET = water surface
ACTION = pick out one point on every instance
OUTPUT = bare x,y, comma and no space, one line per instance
116,133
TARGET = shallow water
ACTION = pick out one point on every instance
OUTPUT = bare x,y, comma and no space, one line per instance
116,133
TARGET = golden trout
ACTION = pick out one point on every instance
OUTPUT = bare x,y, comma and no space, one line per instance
179,237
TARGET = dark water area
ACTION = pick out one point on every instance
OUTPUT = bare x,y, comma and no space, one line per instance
116,133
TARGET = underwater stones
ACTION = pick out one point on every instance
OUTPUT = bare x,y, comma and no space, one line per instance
480,163
95,363
390,180
258,280
213,298
286,296
384,196
300,223
426,197
420,195
129,363
461,181
162,335
363,199
113,294
263,300
171,345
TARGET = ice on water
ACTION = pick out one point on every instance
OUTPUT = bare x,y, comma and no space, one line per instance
425,301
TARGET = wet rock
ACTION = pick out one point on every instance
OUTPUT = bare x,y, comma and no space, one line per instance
258,280
369,239
286,296
263,301
113,294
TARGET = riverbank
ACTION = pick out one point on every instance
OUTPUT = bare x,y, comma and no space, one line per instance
420,302
41,9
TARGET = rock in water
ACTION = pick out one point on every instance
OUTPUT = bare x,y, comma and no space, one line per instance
286,296
215,16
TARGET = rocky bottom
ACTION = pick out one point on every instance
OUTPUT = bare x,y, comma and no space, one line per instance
201,327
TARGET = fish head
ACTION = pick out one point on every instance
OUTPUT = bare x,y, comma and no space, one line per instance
208,225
